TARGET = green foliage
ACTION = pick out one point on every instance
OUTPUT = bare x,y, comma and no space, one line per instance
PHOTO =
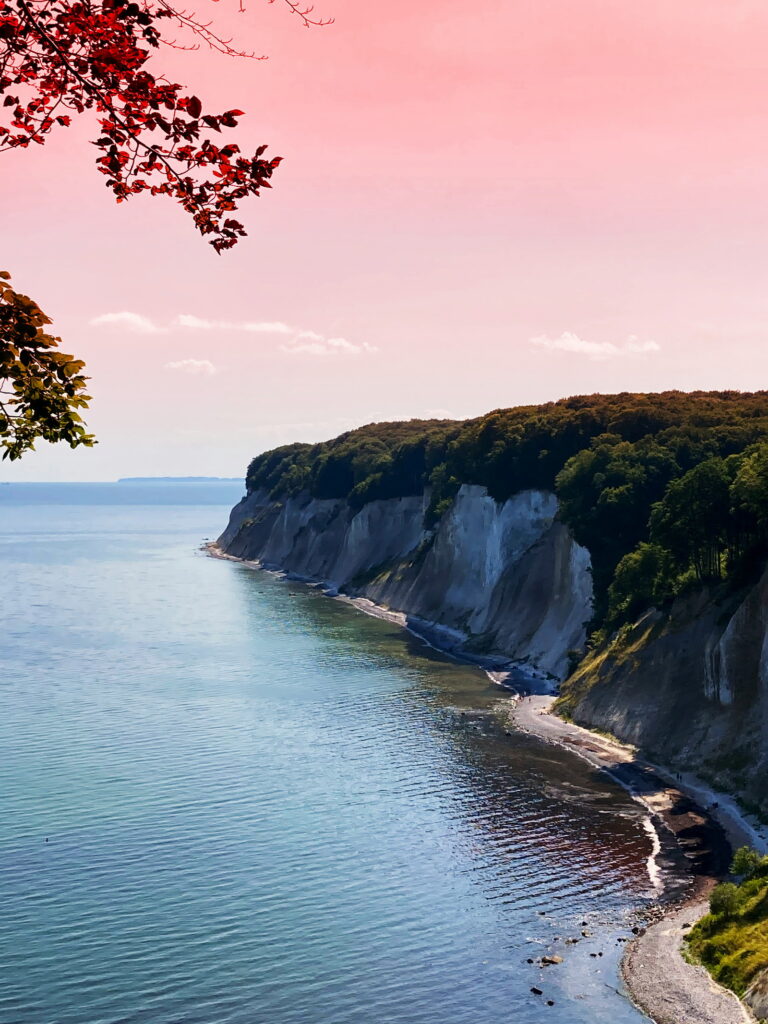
606,494
749,864
692,521
666,490
381,460
41,388
725,899
732,940
643,578
749,490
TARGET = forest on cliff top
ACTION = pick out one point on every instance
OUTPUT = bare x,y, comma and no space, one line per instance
666,490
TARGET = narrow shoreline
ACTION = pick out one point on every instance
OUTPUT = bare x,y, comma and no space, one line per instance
692,846
502,671
658,978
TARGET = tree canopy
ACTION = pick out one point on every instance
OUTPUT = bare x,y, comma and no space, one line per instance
732,939
665,490
41,388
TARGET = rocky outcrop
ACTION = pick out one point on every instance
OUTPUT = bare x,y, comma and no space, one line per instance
690,687
496,579
756,996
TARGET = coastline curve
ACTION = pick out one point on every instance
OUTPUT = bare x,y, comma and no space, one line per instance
691,848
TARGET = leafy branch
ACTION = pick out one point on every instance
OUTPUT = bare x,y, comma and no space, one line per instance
41,388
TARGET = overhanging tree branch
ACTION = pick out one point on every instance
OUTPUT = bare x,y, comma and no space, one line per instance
42,388
76,56
63,58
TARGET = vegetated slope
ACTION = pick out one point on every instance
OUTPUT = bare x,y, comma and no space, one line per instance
688,684
667,491
732,940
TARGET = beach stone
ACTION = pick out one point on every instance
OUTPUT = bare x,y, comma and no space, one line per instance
547,960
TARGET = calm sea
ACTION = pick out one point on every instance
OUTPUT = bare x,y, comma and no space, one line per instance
226,798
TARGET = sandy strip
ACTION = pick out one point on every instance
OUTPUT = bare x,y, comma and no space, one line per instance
659,980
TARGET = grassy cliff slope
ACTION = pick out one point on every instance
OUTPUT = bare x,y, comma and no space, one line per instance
732,940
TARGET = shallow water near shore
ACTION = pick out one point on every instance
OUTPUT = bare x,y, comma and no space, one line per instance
227,798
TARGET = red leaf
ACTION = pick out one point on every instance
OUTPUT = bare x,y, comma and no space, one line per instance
108,43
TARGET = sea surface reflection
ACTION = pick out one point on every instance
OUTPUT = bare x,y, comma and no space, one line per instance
224,797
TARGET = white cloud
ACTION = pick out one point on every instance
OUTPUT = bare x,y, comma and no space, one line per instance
252,326
570,342
187,320
302,342
195,366
132,321
438,414
312,344
268,327
633,344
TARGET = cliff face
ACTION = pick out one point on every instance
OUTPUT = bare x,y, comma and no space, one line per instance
756,996
506,579
496,578
690,688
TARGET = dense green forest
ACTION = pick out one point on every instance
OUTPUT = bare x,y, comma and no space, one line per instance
666,490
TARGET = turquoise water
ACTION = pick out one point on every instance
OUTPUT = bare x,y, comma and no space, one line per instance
226,798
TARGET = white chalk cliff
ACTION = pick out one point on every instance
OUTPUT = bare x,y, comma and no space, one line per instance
500,579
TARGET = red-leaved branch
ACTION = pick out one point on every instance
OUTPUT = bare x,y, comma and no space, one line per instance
60,58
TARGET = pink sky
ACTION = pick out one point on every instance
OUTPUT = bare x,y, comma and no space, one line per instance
490,204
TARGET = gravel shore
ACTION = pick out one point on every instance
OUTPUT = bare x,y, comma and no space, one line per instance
659,980
666,987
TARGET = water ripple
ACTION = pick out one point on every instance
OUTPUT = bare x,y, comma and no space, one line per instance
227,799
